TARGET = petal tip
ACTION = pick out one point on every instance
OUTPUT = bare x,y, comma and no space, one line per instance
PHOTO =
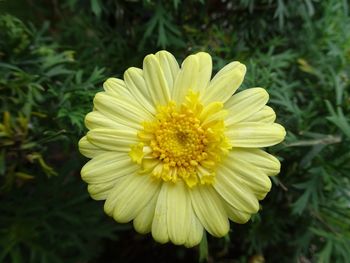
242,68
151,58
283,132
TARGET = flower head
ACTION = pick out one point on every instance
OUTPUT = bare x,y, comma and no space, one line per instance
176,152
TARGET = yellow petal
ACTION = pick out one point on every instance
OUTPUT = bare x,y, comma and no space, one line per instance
260,159
255,134
107,167
130,196
236,215
178,212
169,66
136,153
143,221
244,104
148,164
103,171
122,110
96,119
248,176
159,224
187,78
233,192
112,139
210,110
205,66
209,210
100,191
137,86
87,149
224,83
155,80
195,234
266,115
116,87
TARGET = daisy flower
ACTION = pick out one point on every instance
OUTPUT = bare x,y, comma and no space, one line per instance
176,151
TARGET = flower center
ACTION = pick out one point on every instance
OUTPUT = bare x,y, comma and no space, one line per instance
179,139
183,142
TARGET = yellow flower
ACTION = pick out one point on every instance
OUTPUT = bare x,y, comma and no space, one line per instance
175,152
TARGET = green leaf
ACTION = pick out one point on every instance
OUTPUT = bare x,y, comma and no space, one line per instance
2,162
326,252
338,118
96,7
203,248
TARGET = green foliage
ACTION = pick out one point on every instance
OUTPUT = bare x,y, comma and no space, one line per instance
43,219
299,50
59,225
39,92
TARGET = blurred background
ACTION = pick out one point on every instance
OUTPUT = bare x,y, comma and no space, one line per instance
55,55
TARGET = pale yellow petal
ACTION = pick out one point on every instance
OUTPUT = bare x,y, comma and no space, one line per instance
249,177
236,215
210,110
209,210
233,192
113,139
100,191
87,149
96,119
244,104
107,167
195,234
155,80
116,87
121,110
260,159
143,221
169,66
103,171
187,78
137,86
266,115
205,66
255,134
130,196
159,224
224,83
178,212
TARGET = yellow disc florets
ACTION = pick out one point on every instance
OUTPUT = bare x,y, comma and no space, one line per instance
183,142
179,138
